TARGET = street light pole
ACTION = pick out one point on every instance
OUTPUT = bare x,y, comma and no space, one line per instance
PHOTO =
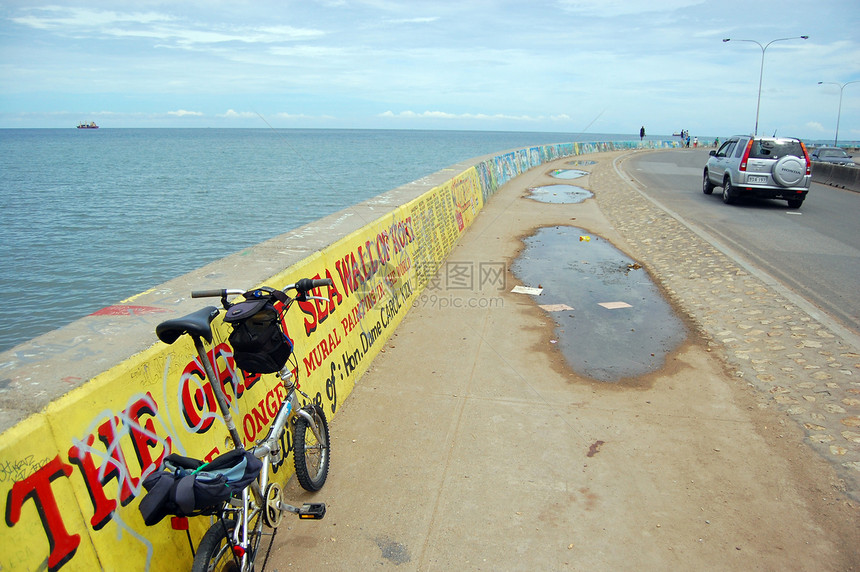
761,71
839,113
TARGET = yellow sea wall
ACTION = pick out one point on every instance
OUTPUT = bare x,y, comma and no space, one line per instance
71,475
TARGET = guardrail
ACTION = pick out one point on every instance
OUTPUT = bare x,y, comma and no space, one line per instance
834,175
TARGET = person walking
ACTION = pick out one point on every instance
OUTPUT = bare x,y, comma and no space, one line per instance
641,133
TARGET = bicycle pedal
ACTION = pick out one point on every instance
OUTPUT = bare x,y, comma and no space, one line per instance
312,511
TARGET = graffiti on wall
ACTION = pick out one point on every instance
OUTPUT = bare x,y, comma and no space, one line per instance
71,481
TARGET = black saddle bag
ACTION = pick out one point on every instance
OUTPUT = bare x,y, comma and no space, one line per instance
258,341
190,487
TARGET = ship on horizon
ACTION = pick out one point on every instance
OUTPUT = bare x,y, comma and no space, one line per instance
90,125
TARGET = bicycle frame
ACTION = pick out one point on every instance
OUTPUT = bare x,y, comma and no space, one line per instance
260,502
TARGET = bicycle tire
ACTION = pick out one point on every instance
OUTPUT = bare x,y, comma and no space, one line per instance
311,458
214,553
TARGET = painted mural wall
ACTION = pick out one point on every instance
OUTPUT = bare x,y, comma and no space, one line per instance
71,476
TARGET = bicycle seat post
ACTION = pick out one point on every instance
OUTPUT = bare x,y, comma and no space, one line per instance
215,383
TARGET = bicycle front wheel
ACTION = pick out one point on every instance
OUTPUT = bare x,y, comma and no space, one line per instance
214,554
311,456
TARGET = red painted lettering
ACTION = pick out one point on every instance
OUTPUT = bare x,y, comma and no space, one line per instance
38,487
347,277
260,417
119,470
272,403
250,428
333,292
383,248
197,399
225,353
102,506
143,438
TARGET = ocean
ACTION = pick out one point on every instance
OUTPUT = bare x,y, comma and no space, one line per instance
91,217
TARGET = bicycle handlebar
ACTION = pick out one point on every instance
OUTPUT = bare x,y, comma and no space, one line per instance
303,285
214,293
307,284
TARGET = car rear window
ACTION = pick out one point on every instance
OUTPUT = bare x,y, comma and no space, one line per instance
833,153
767,149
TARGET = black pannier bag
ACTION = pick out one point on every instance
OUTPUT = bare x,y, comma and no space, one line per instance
191,487
259,343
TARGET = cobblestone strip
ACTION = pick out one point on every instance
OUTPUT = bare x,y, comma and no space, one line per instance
795,362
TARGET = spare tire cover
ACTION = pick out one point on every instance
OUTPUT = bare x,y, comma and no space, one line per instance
789,170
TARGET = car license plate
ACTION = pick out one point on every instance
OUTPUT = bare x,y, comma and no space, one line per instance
756,179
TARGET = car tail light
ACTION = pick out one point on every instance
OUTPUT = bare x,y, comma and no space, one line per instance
746,156
808,163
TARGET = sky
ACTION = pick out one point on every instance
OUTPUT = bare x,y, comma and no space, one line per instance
565,66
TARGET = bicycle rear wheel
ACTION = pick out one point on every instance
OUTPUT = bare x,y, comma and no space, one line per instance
214,554
310,455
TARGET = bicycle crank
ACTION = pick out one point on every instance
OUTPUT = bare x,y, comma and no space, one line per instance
274,497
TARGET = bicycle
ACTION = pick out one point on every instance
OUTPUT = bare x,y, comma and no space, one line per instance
233,540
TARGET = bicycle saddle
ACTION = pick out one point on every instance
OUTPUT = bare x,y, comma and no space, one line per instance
196,324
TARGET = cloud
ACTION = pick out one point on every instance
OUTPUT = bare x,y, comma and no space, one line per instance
56,17
231,114
293,116
108,23
425,20
183,113
610,8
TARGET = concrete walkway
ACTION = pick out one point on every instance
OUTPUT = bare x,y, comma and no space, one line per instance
470,445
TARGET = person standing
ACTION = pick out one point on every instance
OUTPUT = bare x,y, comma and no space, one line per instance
641,133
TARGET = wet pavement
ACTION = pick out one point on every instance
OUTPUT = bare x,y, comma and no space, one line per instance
611,321
559,194
568,173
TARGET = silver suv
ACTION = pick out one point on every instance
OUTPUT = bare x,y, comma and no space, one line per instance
764,167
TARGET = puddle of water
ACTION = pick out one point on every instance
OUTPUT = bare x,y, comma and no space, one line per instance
568,173
559,194
581,163
599,342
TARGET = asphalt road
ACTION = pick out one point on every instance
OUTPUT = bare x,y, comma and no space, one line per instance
813,251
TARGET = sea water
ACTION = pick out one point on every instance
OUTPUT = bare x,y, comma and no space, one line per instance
91,217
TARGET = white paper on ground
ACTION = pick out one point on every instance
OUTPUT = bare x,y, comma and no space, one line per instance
555,307
527,290
614,305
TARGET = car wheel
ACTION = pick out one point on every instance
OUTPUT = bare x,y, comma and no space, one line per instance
707,185
794,203
789,171
728,192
